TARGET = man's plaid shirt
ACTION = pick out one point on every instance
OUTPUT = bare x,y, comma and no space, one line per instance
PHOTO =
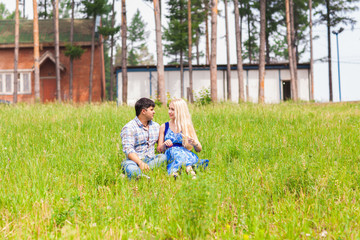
137,139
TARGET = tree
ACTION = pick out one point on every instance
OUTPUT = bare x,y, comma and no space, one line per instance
207,50
16,52
177,35
290,51
190,36
57,51
262,50
238,53
73,52
198,17
124,51
213,66
137,40
4,12
46,11
93,9
311,54
44,6
36,53
112,42
251,47
228,68
334,13
110,31
159,53
293,48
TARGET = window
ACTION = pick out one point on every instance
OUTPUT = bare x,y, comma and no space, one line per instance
7,83
26,83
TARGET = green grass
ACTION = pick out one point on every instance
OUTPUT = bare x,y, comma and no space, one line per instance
287,171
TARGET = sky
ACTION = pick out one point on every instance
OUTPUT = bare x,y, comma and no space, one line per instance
349,48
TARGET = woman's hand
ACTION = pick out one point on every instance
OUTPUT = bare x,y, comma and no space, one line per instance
168,143
193,142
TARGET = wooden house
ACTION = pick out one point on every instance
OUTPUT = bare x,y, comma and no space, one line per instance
26,79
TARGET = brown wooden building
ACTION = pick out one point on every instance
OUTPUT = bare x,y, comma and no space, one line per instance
26,80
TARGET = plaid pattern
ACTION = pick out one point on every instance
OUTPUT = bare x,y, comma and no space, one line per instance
137,139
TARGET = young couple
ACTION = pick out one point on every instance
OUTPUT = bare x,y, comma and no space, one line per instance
175,139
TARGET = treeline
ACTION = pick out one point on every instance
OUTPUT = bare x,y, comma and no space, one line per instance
266,32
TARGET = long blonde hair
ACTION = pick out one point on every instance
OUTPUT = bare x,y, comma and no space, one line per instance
183,121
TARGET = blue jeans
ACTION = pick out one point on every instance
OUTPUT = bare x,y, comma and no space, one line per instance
131,169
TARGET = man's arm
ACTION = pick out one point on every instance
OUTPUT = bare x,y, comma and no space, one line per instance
128,143
134,157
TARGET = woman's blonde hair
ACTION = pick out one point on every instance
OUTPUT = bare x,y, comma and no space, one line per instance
183,121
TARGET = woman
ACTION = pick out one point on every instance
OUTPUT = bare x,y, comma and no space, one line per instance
177,138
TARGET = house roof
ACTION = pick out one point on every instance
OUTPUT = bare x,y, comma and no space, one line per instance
82,31
49,55
153,68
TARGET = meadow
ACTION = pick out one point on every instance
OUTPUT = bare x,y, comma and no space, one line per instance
285,171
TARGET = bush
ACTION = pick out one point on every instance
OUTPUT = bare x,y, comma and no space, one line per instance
204,97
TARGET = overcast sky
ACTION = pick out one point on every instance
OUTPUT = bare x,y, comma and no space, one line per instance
349,48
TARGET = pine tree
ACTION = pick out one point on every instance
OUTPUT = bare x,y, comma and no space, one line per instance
137,36
93,9
16,52
176,35
334,13
108,30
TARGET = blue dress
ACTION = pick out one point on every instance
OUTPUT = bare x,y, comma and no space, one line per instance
177,155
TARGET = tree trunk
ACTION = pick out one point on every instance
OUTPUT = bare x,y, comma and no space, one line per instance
45,7
293,48
197,47
57,52
329,49
207,32
262,51
213,67
190,52
92,59
228,68
181,74
311,55
159,53
71,59
112,75
267,47
267,44
249,37
16,53
290,50
36,53
124,52
240,70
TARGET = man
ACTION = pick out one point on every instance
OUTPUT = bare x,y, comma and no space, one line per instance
138,140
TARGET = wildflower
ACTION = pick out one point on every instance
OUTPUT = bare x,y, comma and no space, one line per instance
323,233
93,225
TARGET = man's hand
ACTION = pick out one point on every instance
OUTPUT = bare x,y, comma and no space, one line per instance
144,167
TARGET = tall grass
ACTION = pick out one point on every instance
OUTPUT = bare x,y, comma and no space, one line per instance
284,171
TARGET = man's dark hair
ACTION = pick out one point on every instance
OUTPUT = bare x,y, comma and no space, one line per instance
143,103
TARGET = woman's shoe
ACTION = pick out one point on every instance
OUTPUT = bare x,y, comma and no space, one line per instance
175,175
190,170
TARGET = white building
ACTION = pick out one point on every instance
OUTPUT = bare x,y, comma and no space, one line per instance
142,82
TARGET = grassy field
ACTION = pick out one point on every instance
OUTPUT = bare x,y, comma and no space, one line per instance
287,171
